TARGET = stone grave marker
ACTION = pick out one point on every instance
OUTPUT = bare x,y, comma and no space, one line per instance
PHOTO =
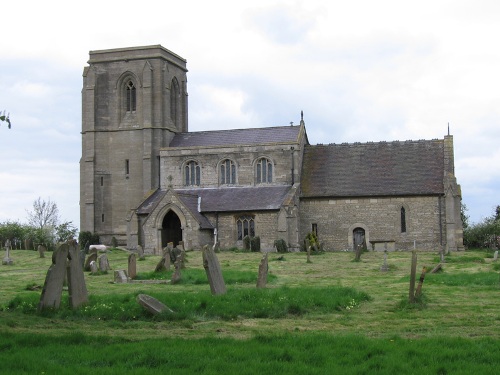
52,288
121,277
263,269
161,265
77,289
152,304
181,246
176,276
103,263
309,254
41,251
495,256
213,270
90,258
385,266
7,259
132,266
93,268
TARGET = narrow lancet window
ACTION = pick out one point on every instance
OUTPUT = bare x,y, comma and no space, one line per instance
403,220
131,97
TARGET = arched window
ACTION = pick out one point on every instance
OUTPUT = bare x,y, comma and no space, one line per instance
246,227
264,171
131,96
403,220
192,174
227,172
174,101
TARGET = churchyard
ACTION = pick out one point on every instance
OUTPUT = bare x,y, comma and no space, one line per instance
330,314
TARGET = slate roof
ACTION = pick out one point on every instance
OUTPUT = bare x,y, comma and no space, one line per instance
373,169
237,137
255,198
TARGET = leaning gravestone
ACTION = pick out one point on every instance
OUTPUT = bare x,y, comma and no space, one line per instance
161,265
121,277
132,266
90,258
77,289
93,268
52,288
103,263
152,304
263,269
41,251
214,273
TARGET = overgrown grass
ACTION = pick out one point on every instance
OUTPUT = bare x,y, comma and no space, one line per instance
488,279
290,353
237,303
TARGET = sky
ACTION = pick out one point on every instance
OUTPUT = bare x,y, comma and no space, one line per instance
361,70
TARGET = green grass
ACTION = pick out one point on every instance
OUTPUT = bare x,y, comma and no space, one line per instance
328,316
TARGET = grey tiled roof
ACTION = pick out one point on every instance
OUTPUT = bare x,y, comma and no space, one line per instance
373,169
255,198
279,134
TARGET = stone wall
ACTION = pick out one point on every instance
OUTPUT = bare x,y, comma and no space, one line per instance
380,218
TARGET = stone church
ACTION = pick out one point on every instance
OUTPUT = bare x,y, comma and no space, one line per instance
146,180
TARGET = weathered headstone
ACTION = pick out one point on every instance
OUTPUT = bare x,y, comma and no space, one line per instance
495,256
93,268
152,304
214,273
166,255
77,289
438,268
359,251
385,266
121,277
263,269
181,246
90,258
41,251
161,265
132,266
176,276
103,263
52,288
7,260
309,254
413,273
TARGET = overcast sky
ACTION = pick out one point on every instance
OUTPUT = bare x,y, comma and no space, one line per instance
360,70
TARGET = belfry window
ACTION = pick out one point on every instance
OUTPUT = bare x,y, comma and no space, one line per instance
227,172
192,174
131,96
403,220
264,171
245,226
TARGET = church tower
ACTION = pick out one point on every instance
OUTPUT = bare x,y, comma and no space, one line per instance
134,100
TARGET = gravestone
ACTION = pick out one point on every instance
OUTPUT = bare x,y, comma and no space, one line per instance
161,265
495,256
359,251
93,268
52,288
7,260
385,266
214,273
77,289
41,251
132,266
309,254
176,276
103,263
140,252
90,258
263,269
166,255
181,246
152,304
121,277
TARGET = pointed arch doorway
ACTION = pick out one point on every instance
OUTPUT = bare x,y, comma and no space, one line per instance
171,229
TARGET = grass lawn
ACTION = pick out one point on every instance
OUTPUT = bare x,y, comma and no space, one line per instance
332,315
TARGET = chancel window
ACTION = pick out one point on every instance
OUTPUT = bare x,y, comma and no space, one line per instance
245,226
227,172
403,220
264,171
131,97
192,174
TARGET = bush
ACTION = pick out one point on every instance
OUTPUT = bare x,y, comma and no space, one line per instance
88,238
251,243
281,246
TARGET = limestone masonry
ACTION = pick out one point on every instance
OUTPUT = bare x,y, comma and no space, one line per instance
146,180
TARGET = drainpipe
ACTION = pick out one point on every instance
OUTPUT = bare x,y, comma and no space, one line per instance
293,167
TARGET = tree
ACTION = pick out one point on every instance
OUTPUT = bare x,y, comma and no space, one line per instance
5,118
65,231
45,214
464,216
